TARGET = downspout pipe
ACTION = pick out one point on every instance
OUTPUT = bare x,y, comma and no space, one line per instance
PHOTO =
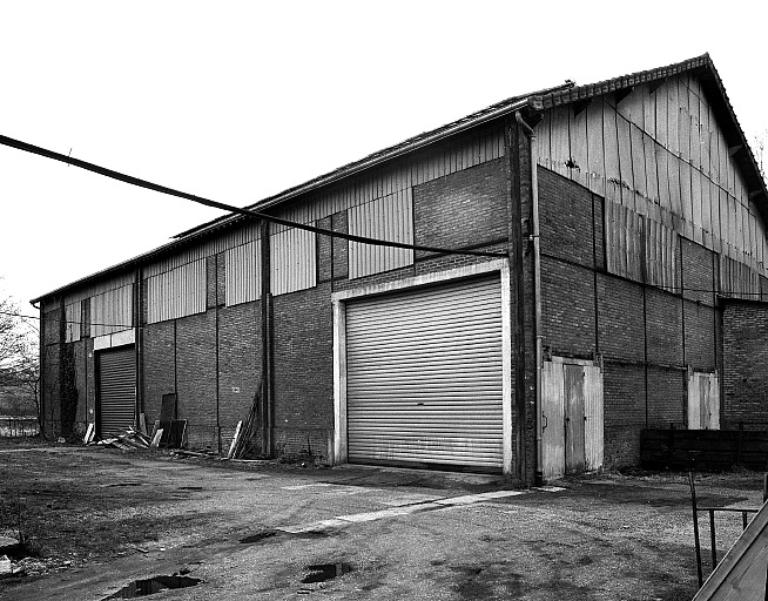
535,239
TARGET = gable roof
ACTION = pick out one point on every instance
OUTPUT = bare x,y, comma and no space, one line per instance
531,104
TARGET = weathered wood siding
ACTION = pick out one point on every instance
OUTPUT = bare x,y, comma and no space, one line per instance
72,314
663,165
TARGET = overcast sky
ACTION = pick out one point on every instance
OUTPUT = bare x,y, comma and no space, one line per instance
240,100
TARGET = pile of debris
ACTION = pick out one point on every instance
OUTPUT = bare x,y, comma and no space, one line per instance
130,440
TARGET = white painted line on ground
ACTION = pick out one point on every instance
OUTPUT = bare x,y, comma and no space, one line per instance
479,498
303,486
382,514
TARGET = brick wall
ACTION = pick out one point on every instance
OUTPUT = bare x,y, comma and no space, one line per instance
745,363
643,333
303,372
196,377
159,364
466,208
239,363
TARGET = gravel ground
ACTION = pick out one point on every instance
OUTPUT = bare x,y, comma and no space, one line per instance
97,519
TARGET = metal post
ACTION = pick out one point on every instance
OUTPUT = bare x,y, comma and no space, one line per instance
696,528
712,537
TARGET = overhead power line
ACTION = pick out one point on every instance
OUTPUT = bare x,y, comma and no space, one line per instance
90,323
141,183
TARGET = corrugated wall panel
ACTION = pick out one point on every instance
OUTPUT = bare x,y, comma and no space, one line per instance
112,311
293,261
177,293
242,266
389,218
424,376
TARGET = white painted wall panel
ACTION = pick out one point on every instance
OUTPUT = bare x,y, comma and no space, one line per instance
293,261
242,273
389,218
177,293
111,311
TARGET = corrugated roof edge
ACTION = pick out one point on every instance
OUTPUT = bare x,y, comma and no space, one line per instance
539,100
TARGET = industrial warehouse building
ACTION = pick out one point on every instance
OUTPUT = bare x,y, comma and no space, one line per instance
608,224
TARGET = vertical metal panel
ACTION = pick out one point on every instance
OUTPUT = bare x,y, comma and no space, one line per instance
553,415
242,269
111,311
389,218
72,318
177,293
593,417
425,377
117,390
293,261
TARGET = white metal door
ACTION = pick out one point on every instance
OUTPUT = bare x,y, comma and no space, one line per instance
572,415
424,376
703,401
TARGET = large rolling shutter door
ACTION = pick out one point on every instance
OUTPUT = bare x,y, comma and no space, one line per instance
424,376
117,390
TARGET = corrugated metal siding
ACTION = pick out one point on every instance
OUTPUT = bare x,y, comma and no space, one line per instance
112,311
242,268
73,316
624,241
177,293
661,257
389,218
248,232
117,390
423,167
293,261
424,376
113,283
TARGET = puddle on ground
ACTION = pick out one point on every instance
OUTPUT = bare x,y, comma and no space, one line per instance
259,536
152,586
325,571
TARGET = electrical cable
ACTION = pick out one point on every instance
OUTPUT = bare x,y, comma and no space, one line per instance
141,183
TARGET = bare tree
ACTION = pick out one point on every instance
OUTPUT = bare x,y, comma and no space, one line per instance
19,359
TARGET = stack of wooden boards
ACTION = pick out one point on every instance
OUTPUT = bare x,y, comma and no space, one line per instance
244,443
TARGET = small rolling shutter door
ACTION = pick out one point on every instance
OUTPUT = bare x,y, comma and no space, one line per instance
424,376
117,390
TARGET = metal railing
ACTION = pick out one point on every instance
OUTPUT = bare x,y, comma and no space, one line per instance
18,427
744,511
